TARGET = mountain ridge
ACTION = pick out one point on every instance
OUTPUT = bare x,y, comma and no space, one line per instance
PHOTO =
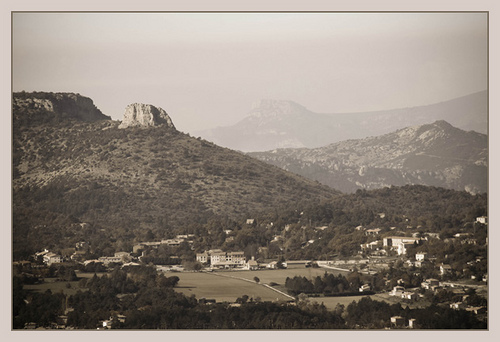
436,154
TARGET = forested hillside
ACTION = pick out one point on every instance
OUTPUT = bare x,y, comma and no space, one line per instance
68,170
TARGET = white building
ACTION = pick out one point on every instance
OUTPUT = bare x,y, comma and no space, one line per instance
482,219
51,258
421,256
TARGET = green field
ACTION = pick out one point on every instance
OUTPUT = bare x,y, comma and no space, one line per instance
222,287
55,286
229,285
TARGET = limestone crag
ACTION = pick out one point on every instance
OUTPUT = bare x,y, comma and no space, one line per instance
145,115
46,107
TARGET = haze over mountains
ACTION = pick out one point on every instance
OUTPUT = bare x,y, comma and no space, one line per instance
275,124
436,154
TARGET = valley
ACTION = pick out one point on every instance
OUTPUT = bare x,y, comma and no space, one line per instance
125,223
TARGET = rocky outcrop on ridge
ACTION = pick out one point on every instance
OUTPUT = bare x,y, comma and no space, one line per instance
31,109
145,115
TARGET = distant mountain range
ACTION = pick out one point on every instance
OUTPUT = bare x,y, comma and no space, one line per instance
436,154
275,124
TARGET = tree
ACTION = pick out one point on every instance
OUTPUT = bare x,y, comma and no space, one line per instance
257,280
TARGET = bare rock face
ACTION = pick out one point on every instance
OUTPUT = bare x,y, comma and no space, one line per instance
36,108
145,115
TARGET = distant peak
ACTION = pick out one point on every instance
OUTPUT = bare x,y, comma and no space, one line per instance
442,124
271,104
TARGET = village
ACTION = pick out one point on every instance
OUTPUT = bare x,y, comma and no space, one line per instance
373,258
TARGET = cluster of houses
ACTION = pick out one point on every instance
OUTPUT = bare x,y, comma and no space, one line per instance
401,244
175,242
81,248
435,286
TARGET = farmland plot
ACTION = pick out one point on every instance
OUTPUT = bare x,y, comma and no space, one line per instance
222,287
229,285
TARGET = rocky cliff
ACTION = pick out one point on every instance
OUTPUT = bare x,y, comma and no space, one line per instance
145,115
44,107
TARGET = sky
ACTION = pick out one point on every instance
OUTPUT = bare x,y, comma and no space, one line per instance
206,69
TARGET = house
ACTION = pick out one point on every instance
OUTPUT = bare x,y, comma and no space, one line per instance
482,219
397,321
420,263
202,257
459,235
272,265
185,236
395,240
41,254
125,256
404,247
275,265
412,323
370,246
375,231
458,305
401,243
82,245
252,264
420,256
227,259
172,242
444,269
143,245
108,260
409,295
51,258
429,283
397,291
250,221
364,288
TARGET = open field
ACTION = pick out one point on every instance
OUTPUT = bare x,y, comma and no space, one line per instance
55,286
222,287
229,285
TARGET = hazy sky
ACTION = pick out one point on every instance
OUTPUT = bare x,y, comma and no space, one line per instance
206,69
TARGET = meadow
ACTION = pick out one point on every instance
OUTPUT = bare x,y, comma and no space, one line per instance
229,285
